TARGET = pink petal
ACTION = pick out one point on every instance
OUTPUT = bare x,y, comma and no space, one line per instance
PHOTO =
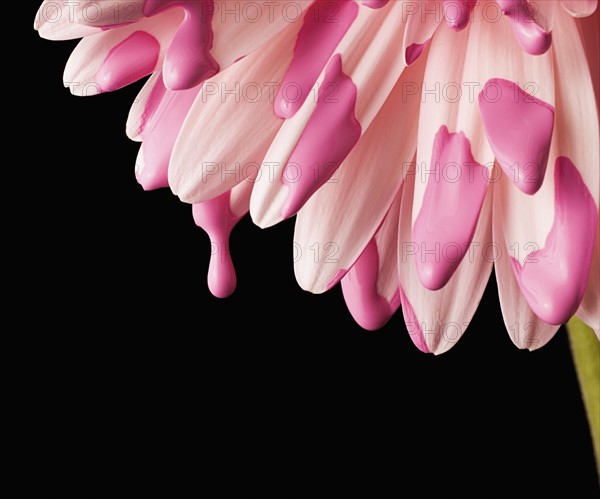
437,319
525,329
370,287
358,196
580,8
445,225
422,19
56,21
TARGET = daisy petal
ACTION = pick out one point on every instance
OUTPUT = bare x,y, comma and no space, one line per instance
56,21
591,40
580,8
525,328
164,113
358,196
553,278
422,19
580,143
371,286
437,319
453,155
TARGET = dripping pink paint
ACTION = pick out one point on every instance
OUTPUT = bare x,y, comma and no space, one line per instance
329,136
519,129
530,35
317,39
444,228
216,218
553,279
129,61
359,286
188,61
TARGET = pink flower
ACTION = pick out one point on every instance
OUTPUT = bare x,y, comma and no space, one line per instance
420,144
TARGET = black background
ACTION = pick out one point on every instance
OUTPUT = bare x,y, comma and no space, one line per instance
284,371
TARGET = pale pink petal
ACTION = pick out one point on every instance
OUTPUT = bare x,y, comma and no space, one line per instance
578,132
358,196
242,27
106,14
56,20
107,61
138,113
164,113
231,124
437,319
577,128
544,13
422,19
580,8
371,286
365,59
449,107
590,35
526,330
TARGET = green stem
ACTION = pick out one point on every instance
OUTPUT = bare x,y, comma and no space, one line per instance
586,356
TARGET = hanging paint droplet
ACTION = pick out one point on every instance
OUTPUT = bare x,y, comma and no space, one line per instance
216,218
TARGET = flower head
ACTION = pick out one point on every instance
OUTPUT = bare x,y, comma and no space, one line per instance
420,144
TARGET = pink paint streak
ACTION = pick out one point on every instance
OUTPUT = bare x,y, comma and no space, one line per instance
453,198
318,38
414,51
457,13
329,136
375,4
359,286
519,129
216,218
530,35
188,61
129,61
553,279
162,120
412,323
